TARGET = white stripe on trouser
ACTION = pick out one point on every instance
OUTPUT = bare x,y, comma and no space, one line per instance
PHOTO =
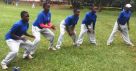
124,33
45,32
62,32
14,49
91,35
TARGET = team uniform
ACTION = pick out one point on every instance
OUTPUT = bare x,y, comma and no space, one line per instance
122,24
69,21
19,29
90,21
43,18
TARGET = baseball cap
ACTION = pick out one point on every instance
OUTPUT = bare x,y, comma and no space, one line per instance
128,5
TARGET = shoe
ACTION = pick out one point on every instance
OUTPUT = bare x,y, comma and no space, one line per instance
51,48
94,43
24,56
4,66
74,44
108,44
78,45
58,47
30,56
27,56
132,45
32,52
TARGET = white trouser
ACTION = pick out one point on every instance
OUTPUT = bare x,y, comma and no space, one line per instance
62,32
84,30
45,32
14,49
124,32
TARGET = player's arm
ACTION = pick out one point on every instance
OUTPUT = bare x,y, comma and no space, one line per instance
49,25
73,28
87,26
41,22
87,18
17,37
13,30
118,21
42,25
94,22
89,29
67,29
128,24
67,26
26,34
52,26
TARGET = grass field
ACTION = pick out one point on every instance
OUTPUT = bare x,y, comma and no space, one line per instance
118,57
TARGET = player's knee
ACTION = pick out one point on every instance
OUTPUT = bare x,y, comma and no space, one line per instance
52,37
62,33
37,39
14,53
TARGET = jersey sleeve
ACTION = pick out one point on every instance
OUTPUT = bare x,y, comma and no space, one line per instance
50,17
77,20
68,20
14,28
120,15
94,22
86,17
40,19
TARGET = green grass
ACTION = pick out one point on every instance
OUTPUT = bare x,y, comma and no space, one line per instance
118,57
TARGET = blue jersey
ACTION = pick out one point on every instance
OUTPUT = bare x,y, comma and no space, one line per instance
124,17
90,18
19,29
71,20
42,18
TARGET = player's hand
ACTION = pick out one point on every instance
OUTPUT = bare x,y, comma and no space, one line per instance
23,38
32,36
90,30
71,33
119,29
128,28
53,27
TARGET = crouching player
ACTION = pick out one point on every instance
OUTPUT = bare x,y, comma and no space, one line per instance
42,25
88,25
15,39
122,25
68,25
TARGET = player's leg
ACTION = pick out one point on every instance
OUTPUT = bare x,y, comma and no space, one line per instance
115,29
50,36
36,33
125,35
81,35
62,32
91,35
14,48
74,38
28,46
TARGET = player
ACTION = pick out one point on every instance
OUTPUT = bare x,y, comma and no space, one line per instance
68,25
88,25
15,39
42,25
122,25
